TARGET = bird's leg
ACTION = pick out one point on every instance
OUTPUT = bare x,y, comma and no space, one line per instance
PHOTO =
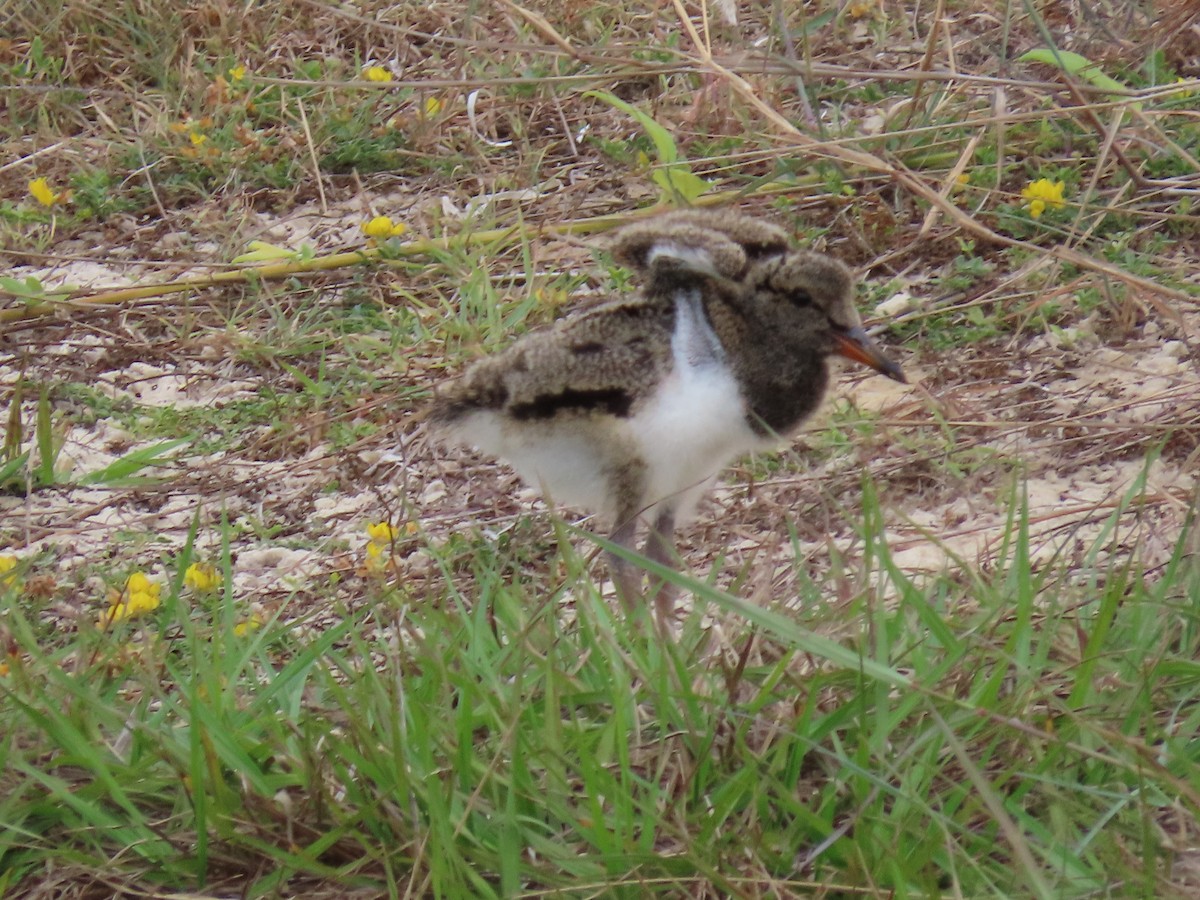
627,577
660,548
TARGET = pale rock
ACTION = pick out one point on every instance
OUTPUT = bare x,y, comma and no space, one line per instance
872,124
434,491
339,505
173,240
895,305
1175,349
1161,364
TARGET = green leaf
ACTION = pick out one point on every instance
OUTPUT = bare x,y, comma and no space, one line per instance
44,434
1079,67
674,177
30,288
261,251
664,143
316,388
12,467
119,470
680,181
816,23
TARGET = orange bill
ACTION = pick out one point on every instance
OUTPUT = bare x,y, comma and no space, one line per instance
854,344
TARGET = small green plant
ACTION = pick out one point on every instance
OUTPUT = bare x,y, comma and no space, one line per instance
966,268
36,468
1079,67
31,290
98,194
674,177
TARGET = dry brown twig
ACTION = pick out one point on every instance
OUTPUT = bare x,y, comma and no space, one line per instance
909,179
704,60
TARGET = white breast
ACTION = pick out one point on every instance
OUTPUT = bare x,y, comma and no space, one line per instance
695,423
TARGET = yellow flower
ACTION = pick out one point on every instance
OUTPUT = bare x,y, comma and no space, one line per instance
200,577
138,583
140,596
197,138
433,106
8,574
241,629
376,560
237,73
383,227
963,178
381,533
377,73
1043,193
379,547
40,188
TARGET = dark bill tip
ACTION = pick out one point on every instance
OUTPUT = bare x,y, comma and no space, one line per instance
854,344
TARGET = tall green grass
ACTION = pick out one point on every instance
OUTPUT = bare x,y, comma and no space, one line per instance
994,732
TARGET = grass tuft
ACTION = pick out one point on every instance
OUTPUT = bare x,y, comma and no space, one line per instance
260,638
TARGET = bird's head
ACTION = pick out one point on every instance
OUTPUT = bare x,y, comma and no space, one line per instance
813,294
807,294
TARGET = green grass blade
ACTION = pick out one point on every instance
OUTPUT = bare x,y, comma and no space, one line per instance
120,471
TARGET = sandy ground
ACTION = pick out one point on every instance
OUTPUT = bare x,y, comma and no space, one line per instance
1097,427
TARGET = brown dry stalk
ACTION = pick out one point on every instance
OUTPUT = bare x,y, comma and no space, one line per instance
74,301
906,177
937,198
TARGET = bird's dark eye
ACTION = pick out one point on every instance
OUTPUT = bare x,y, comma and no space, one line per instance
800,298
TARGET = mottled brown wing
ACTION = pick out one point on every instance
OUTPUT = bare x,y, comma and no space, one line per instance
603,361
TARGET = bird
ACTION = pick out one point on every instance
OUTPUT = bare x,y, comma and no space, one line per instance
632,408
